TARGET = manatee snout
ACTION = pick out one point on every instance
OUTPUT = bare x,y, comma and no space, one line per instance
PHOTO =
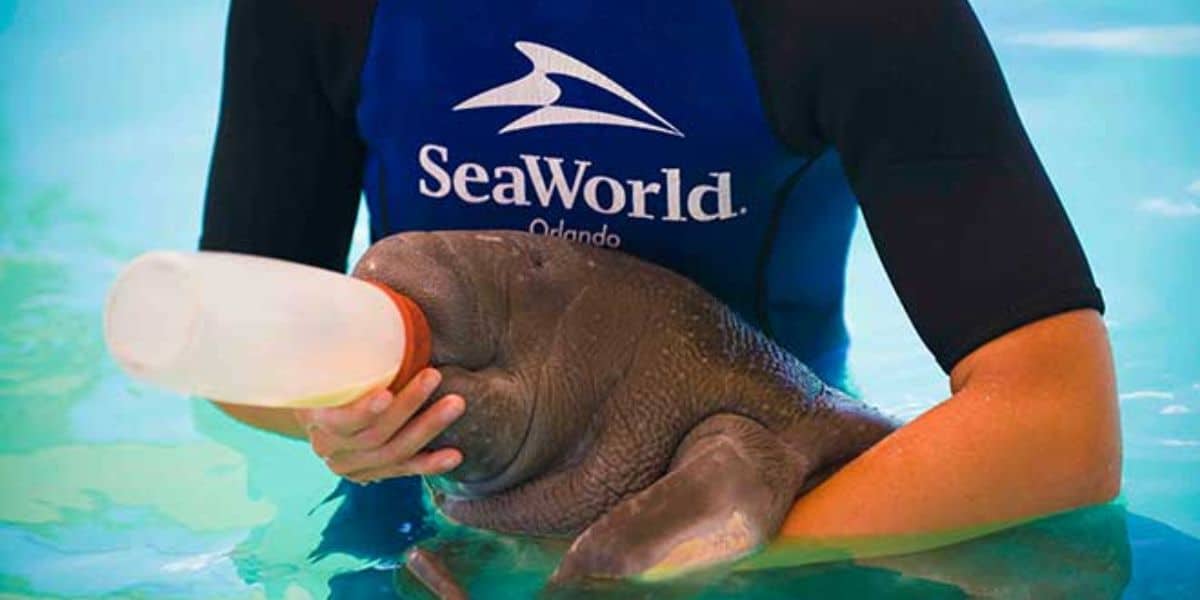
465,311
461,288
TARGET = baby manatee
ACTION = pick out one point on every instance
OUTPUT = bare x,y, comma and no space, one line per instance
613,402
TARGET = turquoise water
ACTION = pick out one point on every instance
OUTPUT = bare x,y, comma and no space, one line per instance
111,489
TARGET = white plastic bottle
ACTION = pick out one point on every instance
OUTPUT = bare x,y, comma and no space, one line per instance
257,331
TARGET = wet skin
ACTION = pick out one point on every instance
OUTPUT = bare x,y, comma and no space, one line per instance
612,401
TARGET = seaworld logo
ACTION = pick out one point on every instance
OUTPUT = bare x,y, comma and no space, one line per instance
536,89
549,182
560,185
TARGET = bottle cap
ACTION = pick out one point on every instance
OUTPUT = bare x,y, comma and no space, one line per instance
418,339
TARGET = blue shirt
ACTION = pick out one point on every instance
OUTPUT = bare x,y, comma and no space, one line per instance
646,135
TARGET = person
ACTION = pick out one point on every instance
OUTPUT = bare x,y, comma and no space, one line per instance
730,141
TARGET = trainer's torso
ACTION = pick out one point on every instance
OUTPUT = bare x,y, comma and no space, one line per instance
628,124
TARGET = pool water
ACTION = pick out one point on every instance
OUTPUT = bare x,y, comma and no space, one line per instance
112,489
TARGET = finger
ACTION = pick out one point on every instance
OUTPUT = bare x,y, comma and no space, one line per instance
351,418
406,443
395,415
325,444
401,408
425,464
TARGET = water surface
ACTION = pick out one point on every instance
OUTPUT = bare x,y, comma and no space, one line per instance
115,490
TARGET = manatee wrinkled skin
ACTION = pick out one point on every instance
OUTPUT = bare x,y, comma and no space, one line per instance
613,400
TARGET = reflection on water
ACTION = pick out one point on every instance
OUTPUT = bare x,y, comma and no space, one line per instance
1084,554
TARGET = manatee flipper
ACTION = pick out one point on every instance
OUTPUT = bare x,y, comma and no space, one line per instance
428,569
726,493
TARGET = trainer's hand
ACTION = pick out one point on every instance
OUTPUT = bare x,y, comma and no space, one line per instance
373,437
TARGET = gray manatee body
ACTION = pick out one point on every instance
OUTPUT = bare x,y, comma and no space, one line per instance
614,401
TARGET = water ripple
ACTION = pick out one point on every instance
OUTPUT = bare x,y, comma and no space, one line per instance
1148,395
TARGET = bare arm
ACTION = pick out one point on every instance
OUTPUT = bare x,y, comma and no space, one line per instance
1031,428
283,421
378,436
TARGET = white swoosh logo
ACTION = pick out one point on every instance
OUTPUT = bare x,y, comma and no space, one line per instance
537,89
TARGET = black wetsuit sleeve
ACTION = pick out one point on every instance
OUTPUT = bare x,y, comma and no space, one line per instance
287,165
964,217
